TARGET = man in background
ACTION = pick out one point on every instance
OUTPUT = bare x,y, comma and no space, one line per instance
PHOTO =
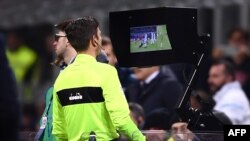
154,90
137,114
228,94
65,55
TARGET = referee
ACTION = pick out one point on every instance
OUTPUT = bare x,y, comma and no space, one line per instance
88,96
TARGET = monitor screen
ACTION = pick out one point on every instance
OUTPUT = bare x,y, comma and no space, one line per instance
149,38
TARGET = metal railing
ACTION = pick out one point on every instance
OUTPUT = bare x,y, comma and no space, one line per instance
152,135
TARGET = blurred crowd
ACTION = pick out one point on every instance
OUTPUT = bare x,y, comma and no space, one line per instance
152,92
30,52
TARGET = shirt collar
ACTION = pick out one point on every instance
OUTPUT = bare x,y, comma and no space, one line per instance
64,65
72,60
85,57
151,77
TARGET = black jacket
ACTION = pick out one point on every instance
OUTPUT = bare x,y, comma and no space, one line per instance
162,92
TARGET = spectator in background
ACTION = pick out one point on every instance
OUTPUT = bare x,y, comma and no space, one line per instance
180,132
237,47
237,50
9,106
137,114
22,60
21,57
65,55
157,123
108,48
238,37
154,90
228,94
159,119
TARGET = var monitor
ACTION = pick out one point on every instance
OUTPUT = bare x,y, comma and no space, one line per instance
154,36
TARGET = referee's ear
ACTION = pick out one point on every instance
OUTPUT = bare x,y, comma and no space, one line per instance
67,42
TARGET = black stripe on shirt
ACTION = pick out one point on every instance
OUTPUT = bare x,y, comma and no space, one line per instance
80,95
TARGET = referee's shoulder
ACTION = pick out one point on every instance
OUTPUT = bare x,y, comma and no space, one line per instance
106,66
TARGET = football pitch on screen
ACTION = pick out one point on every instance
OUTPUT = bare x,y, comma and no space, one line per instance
161,43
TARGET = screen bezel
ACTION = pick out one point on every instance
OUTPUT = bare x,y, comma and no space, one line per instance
181,26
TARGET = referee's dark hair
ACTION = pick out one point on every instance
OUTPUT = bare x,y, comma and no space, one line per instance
80,31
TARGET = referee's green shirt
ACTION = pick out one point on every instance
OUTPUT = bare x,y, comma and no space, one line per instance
88,97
